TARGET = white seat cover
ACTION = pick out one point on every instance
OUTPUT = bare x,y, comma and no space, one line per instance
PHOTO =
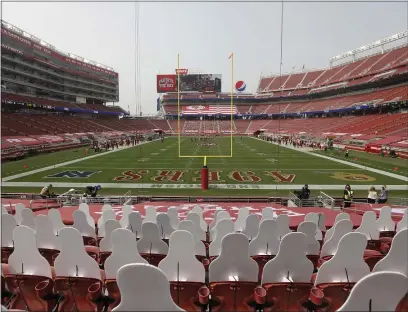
85,208
368,226
403,223
339,217
397,258
385,222
267,241
198,210
150,214
318,219
135,223
341,228
124,251
73,259
234,262
181,259
268,214
187,225
126,210
8,224
150,293
163,222
196,219
348,264
19,207
223,227
26,259
106,243
151,241
106,207
82,225
220,215
44,233
282,224
173,215
55,217
106,215
27,218
291,263
251,227
243,213
365,295
309,228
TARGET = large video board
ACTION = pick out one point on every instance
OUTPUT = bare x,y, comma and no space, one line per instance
190,82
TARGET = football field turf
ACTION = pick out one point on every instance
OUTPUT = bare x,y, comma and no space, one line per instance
255,165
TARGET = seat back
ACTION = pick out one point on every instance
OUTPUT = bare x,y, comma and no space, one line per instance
124,251
290,264
150,293
8,224
384,221
282,225
163,222
347,264
85,208
27,218
368,226
251,227
187,225
173,215
222,228
339,217
397,258
198,210
234,262
18,209
268,214
403,223
151,241
73,259
365,295
309,228
341,228
240,222
196,219
106,243
44,233
126,210
26,259
150,214
108,214
135,223
55,217
180,263
82,225
267,241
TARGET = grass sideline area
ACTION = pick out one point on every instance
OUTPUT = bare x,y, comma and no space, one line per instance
155,164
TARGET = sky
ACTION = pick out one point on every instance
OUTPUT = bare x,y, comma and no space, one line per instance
205,34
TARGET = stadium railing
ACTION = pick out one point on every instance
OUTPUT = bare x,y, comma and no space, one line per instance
322,200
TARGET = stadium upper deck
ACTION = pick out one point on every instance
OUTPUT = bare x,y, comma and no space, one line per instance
33,67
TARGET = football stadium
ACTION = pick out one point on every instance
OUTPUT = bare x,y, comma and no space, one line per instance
283,193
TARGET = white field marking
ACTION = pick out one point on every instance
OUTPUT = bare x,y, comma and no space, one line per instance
388,174
31,172
154,154
143,159
313,187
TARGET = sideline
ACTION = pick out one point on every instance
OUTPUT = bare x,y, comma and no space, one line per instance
388,174
28,173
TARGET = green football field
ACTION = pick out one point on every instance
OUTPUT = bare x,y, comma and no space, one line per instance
255,168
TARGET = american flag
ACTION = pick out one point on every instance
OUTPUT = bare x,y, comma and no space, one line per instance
209,110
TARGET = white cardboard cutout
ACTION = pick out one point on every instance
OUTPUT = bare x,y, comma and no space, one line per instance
126,210
196,219
55,217
150,214
106,243
347,265
309,228
403,223
19,207
340,229
107,214
151,241
85,208
234,261
385,222
339,217
368,226
318,219
163,222
26,259
219,215
82,225
135,223
8,224
187,225
44,233
27,218
267,241
73,260
173,215
251,227
282,224
240,222
223,227
106,207
124,251
181,259
197,209
291,263
150,293
268,214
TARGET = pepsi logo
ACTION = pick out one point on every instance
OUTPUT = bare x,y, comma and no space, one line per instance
240,86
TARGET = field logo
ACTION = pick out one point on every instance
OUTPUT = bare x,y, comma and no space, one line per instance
240,86
352,177
168,176
280,177
131,175
73,174
244,176
213,176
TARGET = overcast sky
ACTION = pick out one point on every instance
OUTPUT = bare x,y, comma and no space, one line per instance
205,34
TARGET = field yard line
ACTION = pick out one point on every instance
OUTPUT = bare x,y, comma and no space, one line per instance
27,173
388,174
241,168
313,187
